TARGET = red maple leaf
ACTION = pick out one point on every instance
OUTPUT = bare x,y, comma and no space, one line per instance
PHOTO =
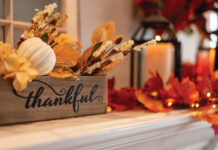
215,127
154,83
215,86
111,83
123,99
184,92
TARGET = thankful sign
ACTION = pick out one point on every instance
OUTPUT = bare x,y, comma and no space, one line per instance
49,98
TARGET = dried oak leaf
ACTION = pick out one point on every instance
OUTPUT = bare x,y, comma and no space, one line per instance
104,33
184,92
152,104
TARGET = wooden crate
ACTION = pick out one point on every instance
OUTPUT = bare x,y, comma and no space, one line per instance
48,98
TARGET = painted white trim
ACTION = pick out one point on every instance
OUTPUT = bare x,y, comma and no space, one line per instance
173,130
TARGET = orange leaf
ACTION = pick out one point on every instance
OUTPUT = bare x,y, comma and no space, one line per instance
66,53
58,72
150,103
211,118
104,32
67,50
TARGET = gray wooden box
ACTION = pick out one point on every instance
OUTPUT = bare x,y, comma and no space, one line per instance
48,98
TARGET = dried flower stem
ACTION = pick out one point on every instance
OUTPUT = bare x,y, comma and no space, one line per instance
113,56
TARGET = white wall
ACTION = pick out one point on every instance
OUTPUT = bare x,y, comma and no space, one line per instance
189,45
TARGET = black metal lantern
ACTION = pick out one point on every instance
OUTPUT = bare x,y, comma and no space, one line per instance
159,28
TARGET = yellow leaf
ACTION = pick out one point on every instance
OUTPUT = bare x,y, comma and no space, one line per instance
16,67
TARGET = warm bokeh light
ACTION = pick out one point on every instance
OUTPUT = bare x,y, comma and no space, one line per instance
195,105
214,106
213,99
109,109
157,37
208,94
170,102
154,94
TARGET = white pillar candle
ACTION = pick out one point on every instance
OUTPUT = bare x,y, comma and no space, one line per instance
159,57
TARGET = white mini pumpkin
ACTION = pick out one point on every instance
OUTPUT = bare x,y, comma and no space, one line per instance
40,54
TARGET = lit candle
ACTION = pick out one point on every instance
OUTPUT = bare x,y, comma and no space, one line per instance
203,61
159,57
206,61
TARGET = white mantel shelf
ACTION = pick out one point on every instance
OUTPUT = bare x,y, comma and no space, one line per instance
130,130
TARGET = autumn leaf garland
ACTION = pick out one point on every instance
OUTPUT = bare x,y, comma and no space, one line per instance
196,91
184,93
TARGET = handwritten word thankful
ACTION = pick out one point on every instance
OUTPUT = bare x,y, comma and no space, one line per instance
71,96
